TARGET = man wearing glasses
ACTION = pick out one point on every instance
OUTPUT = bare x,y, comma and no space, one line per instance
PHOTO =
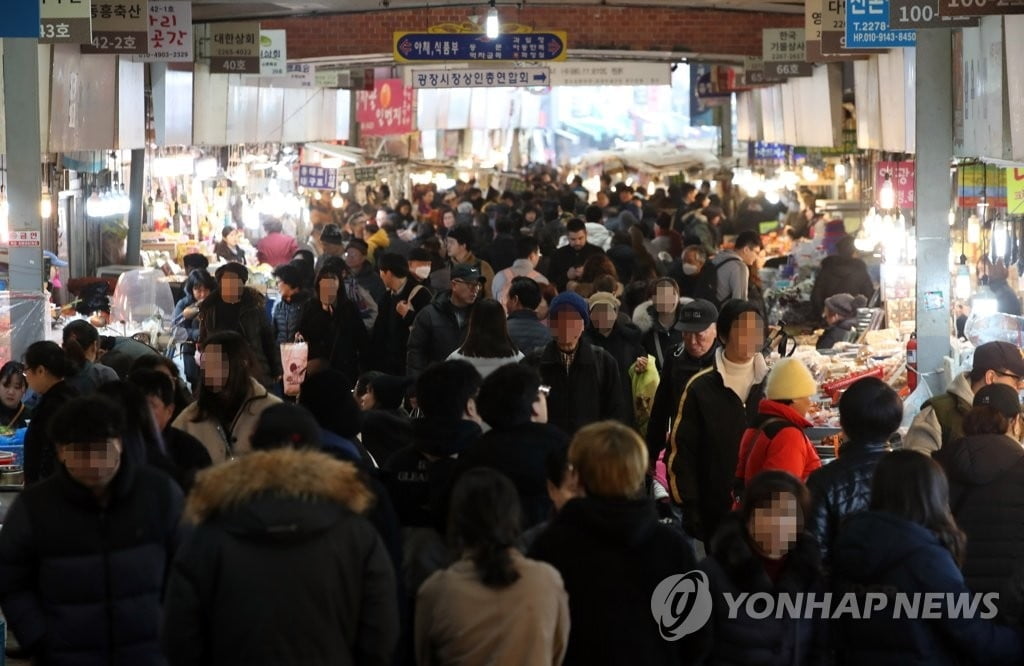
941,418
440,328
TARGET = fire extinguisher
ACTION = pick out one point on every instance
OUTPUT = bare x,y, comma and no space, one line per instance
912,362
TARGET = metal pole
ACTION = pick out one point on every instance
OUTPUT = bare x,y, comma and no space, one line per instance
933,89
133,256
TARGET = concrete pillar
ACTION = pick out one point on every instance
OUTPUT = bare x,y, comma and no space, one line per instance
934,152
135,186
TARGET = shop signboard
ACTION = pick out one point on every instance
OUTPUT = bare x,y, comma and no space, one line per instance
301,75
433,79
235,48
867,26
705,94
763,152
21,19
833,31
120,28
317,177
170,31
273,53
979,7
917,14
416,47
365,174
785,52
24,239
902,177
1014,191
387,110
610,73
65,22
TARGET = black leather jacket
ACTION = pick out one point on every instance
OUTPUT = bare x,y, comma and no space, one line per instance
840,488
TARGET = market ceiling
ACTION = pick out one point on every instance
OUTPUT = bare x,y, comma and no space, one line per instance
213,10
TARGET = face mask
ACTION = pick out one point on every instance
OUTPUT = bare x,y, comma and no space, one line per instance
690,269
422,272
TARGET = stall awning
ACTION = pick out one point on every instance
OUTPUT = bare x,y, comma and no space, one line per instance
350,154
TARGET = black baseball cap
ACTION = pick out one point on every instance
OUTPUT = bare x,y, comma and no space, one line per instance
1004,399
697,315
331,234
999,356
466,273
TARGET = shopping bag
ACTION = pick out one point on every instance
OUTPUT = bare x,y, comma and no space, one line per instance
294,358
644,385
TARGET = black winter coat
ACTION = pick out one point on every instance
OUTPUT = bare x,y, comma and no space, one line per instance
385,432
186,456
840,275
80,583
339,339
282,569
679,369
732,567
519,452
589,391
704,447
390,335
624,345
841,488
435,334
881,552
528,332
612,553
565,258
254,325
986,493
40,456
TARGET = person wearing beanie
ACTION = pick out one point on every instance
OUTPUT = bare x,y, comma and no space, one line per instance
618,336
941,418
840,318
271,523
776,439
584,379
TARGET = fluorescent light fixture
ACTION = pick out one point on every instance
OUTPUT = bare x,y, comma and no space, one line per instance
493,24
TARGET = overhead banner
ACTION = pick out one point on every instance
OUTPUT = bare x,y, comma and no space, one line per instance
119,28
386,111
235,48
273,53
481,78
64,22
468,44
170,31
610,74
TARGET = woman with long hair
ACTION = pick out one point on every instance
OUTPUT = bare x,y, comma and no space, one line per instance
762,548
463,612
333,328
82,346
488,345
906,546
46,366
13,385
198,286
229,400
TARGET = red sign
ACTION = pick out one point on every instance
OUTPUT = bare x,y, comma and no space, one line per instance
24,239
385,111
901,175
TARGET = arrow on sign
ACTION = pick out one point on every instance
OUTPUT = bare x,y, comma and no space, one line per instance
540,77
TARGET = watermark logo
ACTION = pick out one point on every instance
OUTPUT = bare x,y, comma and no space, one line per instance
681,604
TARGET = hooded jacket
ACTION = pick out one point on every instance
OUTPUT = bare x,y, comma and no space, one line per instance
81,583
419,477
705,444
776,440
986,493
841,488
941,418
838,332
658,341
435,334
881,552
223,445
840,275
612,553
40,456
281,569
589,390
337,338
253,324
732,567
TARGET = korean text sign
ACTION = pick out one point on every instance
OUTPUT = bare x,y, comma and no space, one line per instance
867,26
387,110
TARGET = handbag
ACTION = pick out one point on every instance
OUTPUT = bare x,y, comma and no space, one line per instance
294,361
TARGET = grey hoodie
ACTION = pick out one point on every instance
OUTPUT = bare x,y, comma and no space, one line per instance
733,276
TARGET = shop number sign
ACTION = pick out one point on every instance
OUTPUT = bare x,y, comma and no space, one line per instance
65,22
867,26
170,31
119,28
235,48
784,52
24,239
412,47
924,14
979,7
318,178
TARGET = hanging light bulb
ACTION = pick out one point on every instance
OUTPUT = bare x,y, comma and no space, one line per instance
952,217
841,171
344,187
984,303
973,229
45,207
1000,238
317,196
887,195
962,284
337,201
492,26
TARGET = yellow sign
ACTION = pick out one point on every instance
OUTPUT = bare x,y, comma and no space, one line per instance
1015,191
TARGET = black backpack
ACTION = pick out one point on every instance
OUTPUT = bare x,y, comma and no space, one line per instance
707,287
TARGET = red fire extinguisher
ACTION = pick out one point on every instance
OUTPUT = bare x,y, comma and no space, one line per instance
912,362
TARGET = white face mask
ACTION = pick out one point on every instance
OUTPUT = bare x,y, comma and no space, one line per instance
690,269
422,272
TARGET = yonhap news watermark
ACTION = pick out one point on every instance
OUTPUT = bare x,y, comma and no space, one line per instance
682,604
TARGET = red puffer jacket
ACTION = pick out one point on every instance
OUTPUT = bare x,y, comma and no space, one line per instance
775,441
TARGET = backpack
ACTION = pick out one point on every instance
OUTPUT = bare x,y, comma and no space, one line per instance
707,285
770,429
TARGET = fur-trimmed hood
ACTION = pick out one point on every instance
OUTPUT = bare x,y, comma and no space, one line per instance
281,476
644,315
